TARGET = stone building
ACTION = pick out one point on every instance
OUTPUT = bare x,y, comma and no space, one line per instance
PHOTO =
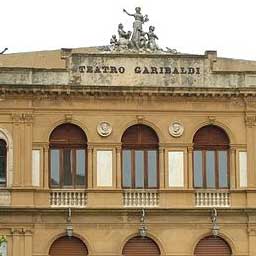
127,153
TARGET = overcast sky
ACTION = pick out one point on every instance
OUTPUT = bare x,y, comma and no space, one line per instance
190,26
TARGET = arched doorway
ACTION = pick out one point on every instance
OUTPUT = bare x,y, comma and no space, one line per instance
141,246
212,246
66,246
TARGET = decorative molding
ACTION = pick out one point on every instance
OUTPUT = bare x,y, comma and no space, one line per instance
104,128
211,119
68,117
176,129
140,119
251,231
250,120
22,117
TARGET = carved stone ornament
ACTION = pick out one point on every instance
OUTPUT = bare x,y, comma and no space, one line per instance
137,40
176,129
104,129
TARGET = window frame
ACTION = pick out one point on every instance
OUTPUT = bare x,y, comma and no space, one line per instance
216,169
3,142
211,138
145,169
140,137
73,149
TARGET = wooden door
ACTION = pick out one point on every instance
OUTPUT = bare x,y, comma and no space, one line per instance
139,246
212,246
66,246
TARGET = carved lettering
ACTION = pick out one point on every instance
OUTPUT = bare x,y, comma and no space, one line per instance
137,70
141,70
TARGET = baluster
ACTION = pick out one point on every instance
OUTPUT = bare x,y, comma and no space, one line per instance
125,199
57,198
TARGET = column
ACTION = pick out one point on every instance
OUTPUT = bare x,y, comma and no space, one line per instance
16,150
252,241
250,140
118,168
46,167
90,166
162,172
233,172
27,153
16,243
190,168
27,242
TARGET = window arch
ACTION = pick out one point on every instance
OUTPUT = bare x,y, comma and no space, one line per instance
3,163
211,158
140,157
212,246
68,246
68,151
141,246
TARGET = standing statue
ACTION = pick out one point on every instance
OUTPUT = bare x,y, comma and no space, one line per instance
152,45
137,26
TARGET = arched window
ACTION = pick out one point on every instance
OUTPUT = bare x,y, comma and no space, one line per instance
3,163
141,246
212,246
68,144
68,246
139,157
211,158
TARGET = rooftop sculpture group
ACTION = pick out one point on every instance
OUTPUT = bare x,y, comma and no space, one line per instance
137,40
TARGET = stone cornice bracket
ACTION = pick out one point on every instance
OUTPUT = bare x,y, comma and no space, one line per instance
250,120
140,119
211,119
68,117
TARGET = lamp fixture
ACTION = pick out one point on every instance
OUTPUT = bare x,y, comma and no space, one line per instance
69,228
215,226
142,229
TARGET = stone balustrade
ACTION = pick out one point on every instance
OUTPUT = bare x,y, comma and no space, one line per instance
140,198
210,198
68,198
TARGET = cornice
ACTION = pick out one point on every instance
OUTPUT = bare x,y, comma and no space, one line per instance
150,91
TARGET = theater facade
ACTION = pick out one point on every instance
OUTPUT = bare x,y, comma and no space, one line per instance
127,150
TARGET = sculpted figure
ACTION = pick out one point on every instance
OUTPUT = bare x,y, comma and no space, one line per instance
123,37
152,45
137,25
113,41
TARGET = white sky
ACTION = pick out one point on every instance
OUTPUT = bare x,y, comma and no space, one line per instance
190,26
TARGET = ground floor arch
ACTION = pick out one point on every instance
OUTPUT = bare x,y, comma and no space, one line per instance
141,246
212,246
68,246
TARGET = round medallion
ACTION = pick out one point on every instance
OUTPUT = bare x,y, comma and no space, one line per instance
104,129
176,129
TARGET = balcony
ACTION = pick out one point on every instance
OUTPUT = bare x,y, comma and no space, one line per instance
68,198
210,198
141,198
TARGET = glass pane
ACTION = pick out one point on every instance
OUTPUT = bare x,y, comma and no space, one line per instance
210,169
55,167
139,169
223,169
127,170
67,163
80,167
152,168
2,171
198,169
